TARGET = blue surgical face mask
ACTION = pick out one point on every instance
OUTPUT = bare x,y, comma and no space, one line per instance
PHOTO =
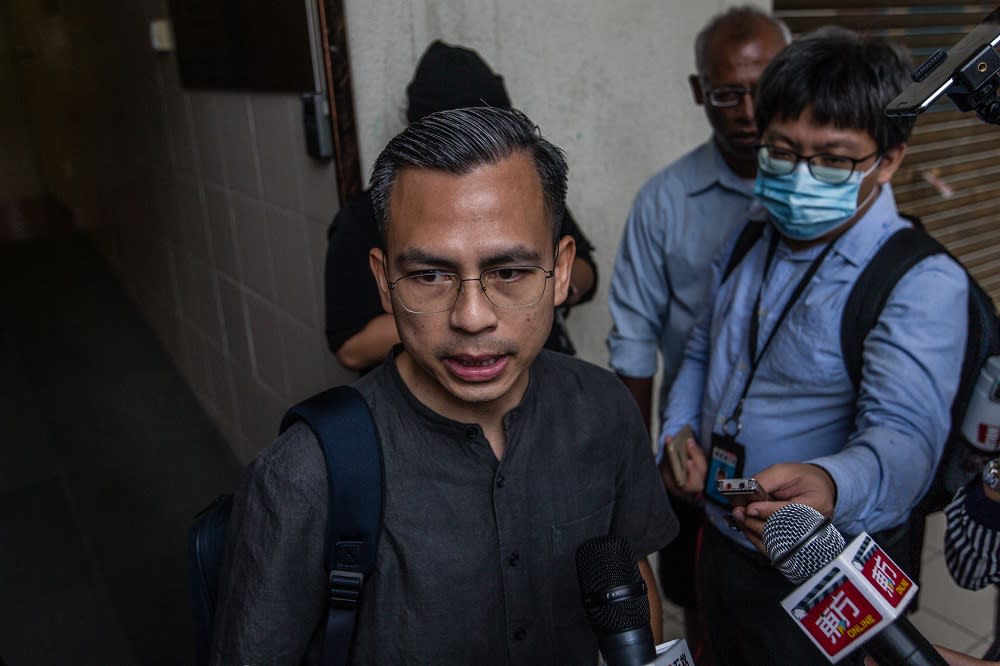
803,208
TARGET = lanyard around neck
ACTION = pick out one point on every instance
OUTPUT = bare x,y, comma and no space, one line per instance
733,424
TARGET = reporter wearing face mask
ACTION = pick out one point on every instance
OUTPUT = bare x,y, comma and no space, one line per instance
763,382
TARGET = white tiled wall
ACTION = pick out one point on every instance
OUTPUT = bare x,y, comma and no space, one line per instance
209,208
247,259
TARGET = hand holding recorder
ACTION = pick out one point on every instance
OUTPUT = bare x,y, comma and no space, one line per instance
801,483
740,492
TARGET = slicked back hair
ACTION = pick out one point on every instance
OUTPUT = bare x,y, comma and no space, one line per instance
741,25
843,79
460,140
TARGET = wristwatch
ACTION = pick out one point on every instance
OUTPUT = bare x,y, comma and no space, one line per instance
991,474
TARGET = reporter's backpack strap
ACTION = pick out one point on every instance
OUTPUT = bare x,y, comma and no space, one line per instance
342,422
905,249
747,239
206,550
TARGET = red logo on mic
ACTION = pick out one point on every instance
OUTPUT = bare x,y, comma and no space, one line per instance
840,618
886,577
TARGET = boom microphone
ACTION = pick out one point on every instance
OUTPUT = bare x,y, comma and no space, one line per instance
614,595
847,596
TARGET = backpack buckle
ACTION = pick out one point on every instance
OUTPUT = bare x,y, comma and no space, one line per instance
344,588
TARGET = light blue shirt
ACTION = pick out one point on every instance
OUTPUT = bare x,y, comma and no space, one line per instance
660,284
879,444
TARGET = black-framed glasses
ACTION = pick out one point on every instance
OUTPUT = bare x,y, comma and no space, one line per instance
727,96
427,292
830,169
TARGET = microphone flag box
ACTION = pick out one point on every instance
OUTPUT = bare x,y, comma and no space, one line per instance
851,599
673,653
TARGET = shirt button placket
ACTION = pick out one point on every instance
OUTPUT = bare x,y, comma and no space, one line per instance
514,572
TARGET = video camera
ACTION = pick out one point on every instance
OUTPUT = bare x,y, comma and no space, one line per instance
969,74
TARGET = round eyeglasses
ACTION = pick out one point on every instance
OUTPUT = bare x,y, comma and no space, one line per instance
830,169
728,96
428,292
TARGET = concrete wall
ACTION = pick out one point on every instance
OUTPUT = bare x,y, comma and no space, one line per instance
209,208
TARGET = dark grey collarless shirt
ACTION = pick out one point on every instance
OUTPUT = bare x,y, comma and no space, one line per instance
476,559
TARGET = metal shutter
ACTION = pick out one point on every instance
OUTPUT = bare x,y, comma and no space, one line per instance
950,173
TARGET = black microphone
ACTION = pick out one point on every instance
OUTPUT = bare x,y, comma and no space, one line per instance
800,542
614,595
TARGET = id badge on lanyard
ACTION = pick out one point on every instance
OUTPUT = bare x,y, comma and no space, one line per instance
727,456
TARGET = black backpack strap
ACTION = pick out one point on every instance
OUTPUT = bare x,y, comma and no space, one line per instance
342,422
206,550
904,249
914,220
748,238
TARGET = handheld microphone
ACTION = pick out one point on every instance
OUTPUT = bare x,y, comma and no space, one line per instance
614,595
848,595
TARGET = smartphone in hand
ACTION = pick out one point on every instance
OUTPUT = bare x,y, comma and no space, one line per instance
742,491
677,454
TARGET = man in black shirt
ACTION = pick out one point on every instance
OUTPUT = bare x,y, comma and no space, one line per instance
500,458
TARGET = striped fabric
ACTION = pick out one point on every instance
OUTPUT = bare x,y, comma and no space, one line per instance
972,544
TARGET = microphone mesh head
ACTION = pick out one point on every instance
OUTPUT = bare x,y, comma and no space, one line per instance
786,534
602,564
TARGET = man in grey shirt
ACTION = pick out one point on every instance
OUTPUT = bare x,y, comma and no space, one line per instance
499,459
